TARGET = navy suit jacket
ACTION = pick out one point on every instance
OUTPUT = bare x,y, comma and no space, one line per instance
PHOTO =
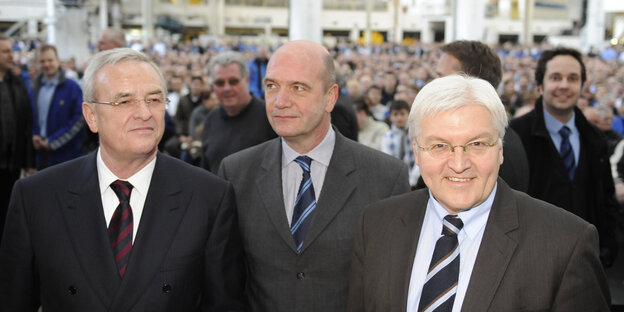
186,256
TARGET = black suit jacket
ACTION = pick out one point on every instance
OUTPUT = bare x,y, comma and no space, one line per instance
186,256
533,257
591,193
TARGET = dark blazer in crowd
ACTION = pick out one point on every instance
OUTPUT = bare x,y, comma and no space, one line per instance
280,278
224,135
186,256
66,125
533,257
343,117
591,194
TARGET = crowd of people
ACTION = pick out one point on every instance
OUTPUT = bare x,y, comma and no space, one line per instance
279,123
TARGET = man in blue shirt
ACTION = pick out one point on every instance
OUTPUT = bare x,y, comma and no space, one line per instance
58,125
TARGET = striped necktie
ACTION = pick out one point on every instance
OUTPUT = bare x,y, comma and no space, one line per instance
565,149
304,203
121,226
438,293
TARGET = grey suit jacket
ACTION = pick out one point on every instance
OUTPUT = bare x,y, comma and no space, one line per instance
187,254
280,279
533,257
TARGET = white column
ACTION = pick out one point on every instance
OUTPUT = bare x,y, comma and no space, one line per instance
148,20
220,17
103,14
368,32
116,14
592,34
50,21
305,20
526,12
427,33
469,20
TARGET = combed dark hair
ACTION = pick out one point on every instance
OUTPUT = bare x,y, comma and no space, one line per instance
477,60
399,105
548,55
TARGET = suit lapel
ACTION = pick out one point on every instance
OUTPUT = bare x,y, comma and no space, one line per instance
269,185
86,225
338,185
497,248
403,247
162,213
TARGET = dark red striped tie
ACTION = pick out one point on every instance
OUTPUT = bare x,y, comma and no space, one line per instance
120,227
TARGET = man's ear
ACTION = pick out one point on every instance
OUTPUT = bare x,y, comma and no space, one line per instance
89,114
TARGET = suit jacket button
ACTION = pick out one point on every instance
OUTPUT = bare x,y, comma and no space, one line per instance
300,276
71,290
166,288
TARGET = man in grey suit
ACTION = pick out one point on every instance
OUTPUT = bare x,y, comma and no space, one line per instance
299,196
500,250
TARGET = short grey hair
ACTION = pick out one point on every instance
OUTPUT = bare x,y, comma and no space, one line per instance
112,57
227,58
452,92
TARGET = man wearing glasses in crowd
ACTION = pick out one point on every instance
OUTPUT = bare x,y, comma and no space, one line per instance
240,120
469,242
124,228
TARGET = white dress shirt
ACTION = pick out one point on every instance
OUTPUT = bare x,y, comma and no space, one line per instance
469,241
292,172
140,185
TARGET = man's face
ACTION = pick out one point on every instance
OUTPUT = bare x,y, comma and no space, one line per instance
460,181
561,88
132,131
297,101
374,95
105,43
196,87
398,117
232,90
49,63
448,65
6,55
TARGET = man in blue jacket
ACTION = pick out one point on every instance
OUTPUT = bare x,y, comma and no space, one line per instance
58,124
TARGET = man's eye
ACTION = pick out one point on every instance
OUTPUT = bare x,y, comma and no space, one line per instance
299,88
124,102
438,146
269,86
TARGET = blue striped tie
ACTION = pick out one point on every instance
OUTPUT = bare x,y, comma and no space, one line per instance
565,149
304,204
438,293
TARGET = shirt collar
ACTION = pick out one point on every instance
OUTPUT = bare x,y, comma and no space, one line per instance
53,81
553,125
140,181
322,153
474,219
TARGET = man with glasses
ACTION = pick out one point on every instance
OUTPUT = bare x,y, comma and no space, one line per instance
124,228
240,121
470,242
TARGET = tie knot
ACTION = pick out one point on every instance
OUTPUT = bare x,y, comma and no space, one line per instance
565,132
451,225
304,163
122,189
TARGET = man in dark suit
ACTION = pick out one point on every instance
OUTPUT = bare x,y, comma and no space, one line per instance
584,185
299,196
500,250
124,228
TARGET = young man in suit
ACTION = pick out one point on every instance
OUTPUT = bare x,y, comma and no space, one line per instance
581,182
476,59
124,228
299,196
500,250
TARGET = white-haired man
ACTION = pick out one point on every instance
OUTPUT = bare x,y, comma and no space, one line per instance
500,250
